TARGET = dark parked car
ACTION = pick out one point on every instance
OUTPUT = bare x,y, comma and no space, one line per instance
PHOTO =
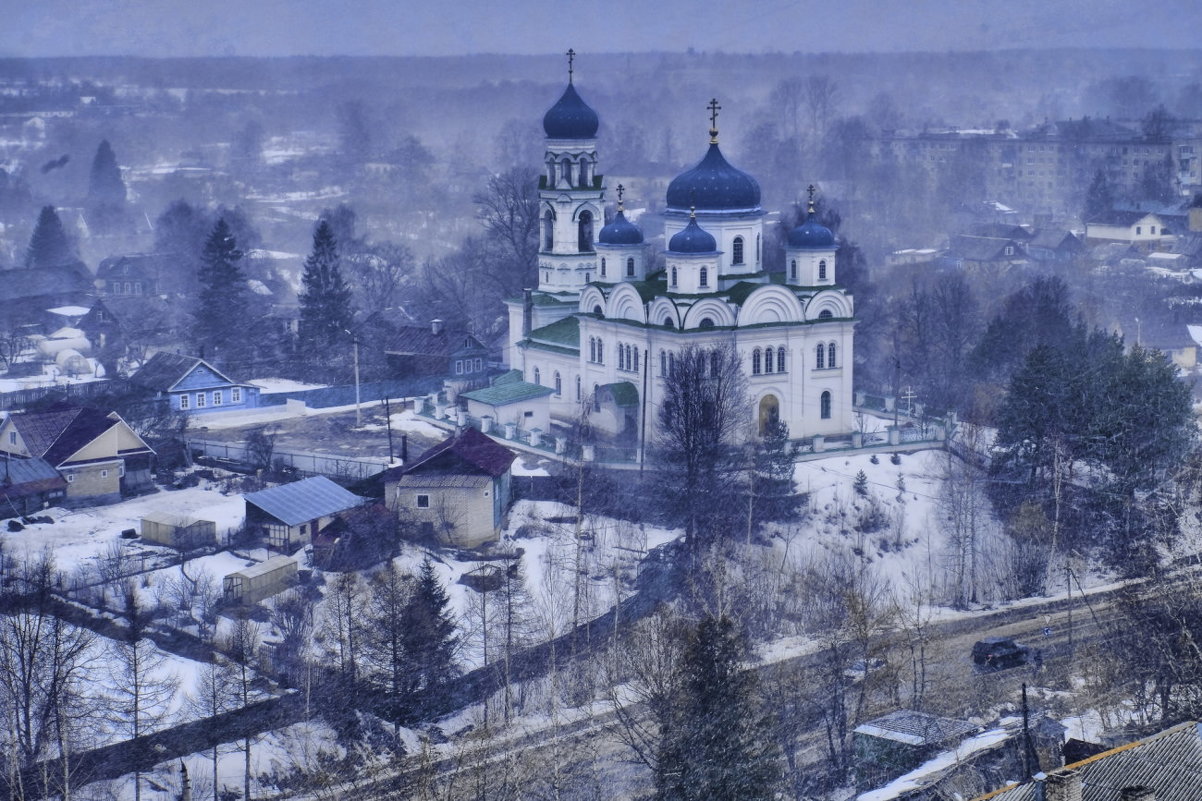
998,653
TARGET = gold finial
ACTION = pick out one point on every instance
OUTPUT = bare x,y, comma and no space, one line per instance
693,212
714,109
810,189
571,54
621,191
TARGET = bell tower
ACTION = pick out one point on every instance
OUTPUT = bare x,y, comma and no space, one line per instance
570,192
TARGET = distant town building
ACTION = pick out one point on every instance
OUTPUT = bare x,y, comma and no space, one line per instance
192,385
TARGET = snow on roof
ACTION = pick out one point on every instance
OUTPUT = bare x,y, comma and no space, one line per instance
270,566
1195,333
928,772
302,501
70,311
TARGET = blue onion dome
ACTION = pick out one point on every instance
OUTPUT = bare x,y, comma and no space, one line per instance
714,185
570,118
693,239
811,234
620,231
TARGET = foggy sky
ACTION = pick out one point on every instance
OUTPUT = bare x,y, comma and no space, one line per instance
455,27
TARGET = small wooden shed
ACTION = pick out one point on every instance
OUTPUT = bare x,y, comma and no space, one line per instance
252,584
178,531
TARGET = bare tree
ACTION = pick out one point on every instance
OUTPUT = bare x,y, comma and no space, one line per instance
242,645
821,99
215,693
510,212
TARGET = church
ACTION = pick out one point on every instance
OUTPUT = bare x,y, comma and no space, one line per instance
604,325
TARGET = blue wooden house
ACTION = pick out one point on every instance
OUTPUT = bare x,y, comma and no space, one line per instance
193,385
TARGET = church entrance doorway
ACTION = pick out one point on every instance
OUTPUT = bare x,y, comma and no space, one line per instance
769,413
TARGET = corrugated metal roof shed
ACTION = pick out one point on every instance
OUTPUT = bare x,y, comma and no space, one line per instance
302,501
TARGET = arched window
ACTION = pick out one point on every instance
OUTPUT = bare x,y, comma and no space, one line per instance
822,269
706,322
705,277
755,361
592,349
715,363
826,314
584,165
673,275
549,230
780,359
537,376
671,363
565,167
737,251
588,278
602,266
630,267
558,384
577,387
826,406
600,352
623,357
757,249
597,310
820,356
584,237
634,353
830,355
546,276
663,363
793,269
669,322
768,360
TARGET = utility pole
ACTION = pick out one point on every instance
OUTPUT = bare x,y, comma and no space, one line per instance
358,412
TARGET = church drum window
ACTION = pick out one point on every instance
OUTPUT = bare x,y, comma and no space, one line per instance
602,266
822,269
566,168
755,361
780,359
577,387
674,275
820,356
630,267
825,406
758,250
705,277
768,354
549,232
737,251
793,269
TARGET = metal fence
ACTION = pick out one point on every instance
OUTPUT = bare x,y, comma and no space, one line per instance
344,395
304,462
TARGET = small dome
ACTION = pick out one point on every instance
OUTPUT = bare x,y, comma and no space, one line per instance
620,231
714,185
570,118
811,234
693,239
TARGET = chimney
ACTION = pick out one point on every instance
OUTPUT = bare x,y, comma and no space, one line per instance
1137,794
527,311
436,326
1063,785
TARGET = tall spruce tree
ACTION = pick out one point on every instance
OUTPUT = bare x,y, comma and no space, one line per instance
430,640
49,245
325,302
718,744
1099,198
105,185
220,315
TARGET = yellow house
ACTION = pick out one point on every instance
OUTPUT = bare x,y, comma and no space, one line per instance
97,453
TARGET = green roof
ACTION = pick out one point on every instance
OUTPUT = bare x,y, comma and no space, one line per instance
624,393
560,332
508,377
559,349
509,392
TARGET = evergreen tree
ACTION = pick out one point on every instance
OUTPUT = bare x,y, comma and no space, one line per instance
429,639
861,485
1099,198
221,308
718,743
49,245
105,185
325,302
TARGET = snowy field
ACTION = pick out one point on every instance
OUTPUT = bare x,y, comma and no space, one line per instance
78,537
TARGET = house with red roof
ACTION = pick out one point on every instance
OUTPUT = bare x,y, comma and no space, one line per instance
99,456
457,492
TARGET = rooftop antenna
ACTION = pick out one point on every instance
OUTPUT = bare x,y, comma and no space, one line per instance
714,109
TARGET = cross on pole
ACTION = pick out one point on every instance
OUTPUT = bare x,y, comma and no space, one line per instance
810,189
714,109
621,191
571,54
908,396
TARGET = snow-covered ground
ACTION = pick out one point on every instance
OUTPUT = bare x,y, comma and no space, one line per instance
79,536
270,385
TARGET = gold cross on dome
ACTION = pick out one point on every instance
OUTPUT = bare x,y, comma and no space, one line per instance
571,54
810,189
